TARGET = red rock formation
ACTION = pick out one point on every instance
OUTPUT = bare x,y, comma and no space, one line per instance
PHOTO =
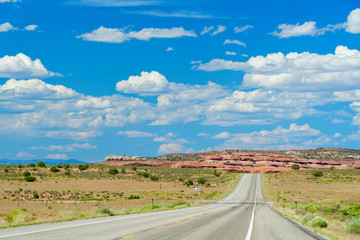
245,161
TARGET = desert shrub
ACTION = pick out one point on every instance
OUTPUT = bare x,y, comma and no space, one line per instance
317,173
19,166
105,210
353,225
189,183
181,180
201,180
30,178
113,171
60,166
332,168
54,169
319,222
83,167
31,165
154,178
144,174
134,197
67,173
18,217
311,208
308,217
352,210
41,164
26,173
6,170
66,166
216,173
35,195
295,166
123,171
134,168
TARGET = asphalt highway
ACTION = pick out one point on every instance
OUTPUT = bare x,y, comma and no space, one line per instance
243,214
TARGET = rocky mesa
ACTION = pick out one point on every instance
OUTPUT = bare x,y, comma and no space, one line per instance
249,161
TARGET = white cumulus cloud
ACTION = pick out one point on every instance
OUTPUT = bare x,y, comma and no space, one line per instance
5,27
306,29
296,71
171,148
32,27
353,21
23,154
230,53
135,134
222,135
242,29
236,42
21,66
119,35
294,137
147,83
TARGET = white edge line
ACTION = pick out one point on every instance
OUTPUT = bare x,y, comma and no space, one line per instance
248,235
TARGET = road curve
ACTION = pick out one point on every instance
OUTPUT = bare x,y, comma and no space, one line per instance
243,214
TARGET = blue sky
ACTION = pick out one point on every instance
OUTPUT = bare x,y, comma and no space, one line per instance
85,79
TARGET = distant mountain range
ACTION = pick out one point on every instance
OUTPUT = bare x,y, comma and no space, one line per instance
46,161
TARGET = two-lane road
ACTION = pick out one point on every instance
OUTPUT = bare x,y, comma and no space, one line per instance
243,214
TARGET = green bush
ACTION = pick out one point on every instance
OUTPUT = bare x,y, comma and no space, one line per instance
26,173
60,166
181,180
83,167
216,173
134,168
30,178
54,169
134,197
123,171
201,180
319,222
332,168
308,217
113,171
19,166
31,165
318,173
189,183
353,225
311,208
105,210
41,164
6,170
144,174
352,210
35,195
154,178
295,166
67,173
66,166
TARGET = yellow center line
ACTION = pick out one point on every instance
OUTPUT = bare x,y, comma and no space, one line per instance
129,236
160,227
178,222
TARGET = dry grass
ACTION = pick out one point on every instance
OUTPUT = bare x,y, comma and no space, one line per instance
335,190
84,192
